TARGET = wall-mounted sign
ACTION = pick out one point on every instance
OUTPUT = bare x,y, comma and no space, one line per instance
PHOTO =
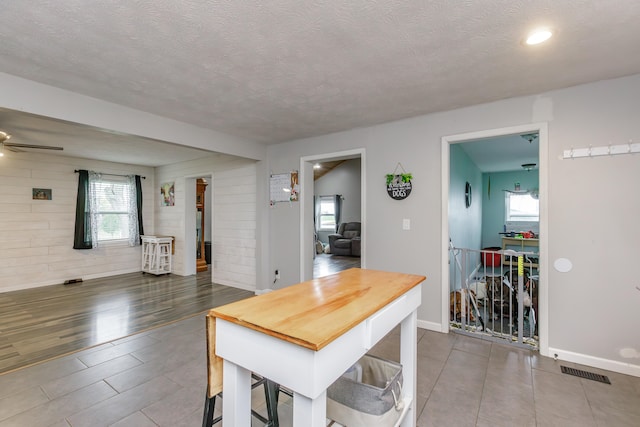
399,184
284,187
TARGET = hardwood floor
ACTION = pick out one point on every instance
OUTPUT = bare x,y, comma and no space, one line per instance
325,264
42,323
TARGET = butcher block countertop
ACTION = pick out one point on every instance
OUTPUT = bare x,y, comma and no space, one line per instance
314,313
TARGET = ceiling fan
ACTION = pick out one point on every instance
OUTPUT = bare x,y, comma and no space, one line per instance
11,146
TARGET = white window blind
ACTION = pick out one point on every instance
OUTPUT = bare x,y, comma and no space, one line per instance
113,199
521,207
327,213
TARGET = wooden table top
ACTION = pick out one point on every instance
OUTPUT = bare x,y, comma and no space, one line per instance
314,313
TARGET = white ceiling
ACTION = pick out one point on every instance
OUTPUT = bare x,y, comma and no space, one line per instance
278,70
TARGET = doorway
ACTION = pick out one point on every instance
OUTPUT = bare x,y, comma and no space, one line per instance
203,227
307,211
464,193
198,224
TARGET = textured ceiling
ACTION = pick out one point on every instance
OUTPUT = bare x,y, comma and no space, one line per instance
278,70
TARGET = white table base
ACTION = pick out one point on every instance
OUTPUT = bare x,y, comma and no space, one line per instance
308,373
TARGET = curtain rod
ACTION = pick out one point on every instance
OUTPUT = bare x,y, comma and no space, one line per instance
112,174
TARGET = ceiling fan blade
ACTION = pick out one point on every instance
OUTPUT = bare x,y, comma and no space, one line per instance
40,147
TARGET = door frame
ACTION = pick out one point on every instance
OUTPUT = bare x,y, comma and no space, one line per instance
543,152
307,245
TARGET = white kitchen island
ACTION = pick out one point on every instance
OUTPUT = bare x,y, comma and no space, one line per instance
305,336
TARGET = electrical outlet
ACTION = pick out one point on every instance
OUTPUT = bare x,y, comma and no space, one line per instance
277,274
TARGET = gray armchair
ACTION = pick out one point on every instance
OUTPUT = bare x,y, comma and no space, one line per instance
347,240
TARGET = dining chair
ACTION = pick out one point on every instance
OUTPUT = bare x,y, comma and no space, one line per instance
214,384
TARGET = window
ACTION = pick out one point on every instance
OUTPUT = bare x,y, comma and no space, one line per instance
521,207
111,216
327,216
107,209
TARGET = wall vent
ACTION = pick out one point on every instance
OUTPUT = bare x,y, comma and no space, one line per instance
585,374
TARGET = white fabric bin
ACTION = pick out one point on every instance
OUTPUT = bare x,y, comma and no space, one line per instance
376,400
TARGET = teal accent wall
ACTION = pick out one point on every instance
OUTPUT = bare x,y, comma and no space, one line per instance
465,224
493,204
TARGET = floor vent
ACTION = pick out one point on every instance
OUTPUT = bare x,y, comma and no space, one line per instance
585,374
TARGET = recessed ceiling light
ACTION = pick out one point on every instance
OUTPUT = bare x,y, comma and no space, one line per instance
317,166
538,36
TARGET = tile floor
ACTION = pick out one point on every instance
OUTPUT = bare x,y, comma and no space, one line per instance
157,378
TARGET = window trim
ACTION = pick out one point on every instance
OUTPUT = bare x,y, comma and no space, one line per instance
127,189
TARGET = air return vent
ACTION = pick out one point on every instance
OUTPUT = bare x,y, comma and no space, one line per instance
585,374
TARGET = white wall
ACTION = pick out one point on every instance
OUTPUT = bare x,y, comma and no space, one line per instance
593,210
36,236
232,188
234,231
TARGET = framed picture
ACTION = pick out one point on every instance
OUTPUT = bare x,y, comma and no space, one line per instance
41,193
167,194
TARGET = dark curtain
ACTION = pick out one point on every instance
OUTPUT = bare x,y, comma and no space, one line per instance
82,233
338,208
139,206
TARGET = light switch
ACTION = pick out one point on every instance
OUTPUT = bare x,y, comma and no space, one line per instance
406,224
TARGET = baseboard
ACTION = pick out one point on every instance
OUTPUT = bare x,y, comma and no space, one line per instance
430,326
236,285
30,286
60,281
596,362
110,273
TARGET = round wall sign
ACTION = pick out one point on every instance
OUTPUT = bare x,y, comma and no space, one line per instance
399,187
